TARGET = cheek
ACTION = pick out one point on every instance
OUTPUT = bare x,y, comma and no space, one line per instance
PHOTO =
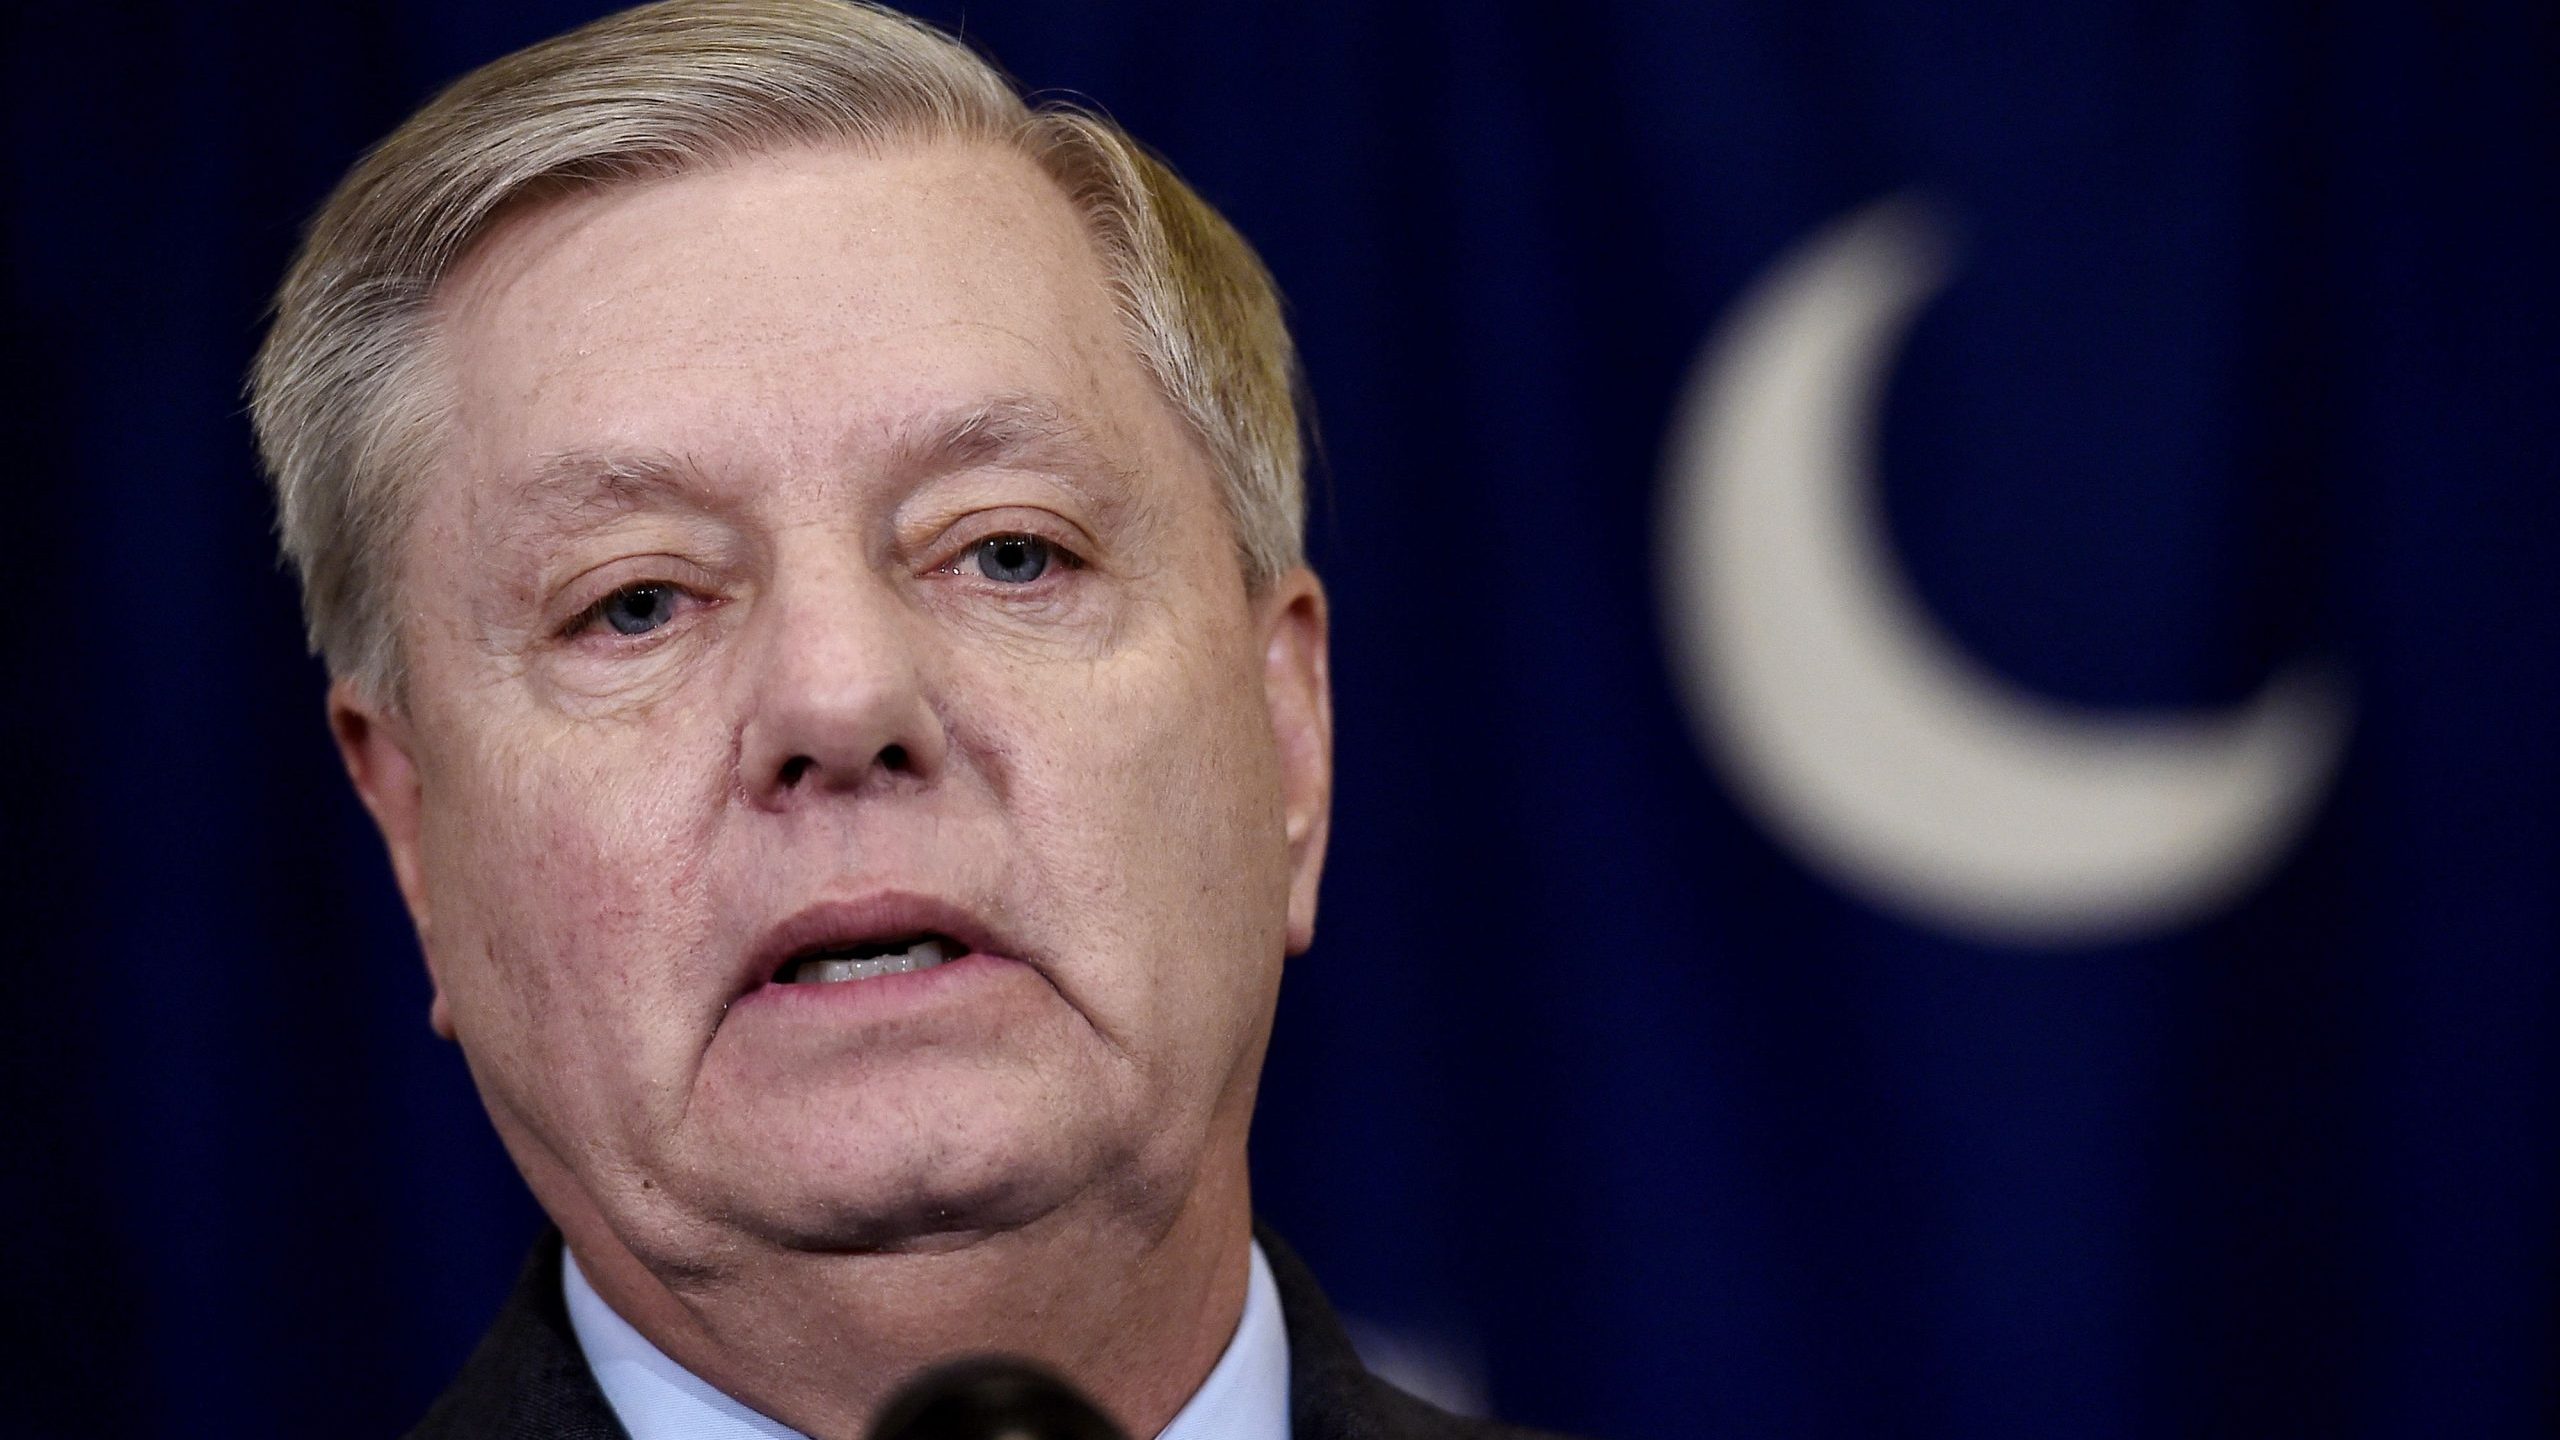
1157,768
565,873
1150,804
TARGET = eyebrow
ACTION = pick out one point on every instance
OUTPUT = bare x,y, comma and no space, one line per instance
575,489
570,492
573,485
1022,430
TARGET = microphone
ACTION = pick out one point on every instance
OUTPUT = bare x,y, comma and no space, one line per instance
991,1398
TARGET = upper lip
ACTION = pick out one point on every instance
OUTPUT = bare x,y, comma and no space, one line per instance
887,915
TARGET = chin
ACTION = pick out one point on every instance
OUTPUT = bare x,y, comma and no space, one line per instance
912,1220
932,1176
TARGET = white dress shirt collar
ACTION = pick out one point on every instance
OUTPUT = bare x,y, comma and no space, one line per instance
1246,1396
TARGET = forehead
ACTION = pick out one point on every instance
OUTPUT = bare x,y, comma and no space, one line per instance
788,308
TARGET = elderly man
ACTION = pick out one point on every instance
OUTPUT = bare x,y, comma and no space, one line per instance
808,553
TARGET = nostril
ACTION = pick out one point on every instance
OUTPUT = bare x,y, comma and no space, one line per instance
798,770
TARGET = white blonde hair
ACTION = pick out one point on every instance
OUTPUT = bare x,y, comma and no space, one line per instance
347,403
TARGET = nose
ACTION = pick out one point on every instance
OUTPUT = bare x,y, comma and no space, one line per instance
839,695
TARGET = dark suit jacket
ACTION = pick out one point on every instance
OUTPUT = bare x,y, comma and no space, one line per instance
528,1378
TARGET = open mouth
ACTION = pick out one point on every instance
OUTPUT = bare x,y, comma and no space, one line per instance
831,964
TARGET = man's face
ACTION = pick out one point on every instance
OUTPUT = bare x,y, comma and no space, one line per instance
814,577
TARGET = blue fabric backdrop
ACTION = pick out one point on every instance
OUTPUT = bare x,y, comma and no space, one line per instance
1597,1092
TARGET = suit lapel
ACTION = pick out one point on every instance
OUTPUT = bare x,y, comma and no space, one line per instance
528,1379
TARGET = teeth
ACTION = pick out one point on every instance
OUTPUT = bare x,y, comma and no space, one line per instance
923,955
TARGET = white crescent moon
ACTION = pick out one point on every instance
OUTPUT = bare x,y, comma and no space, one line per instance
1860,733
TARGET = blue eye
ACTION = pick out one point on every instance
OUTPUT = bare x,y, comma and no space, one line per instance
637,609
1013,559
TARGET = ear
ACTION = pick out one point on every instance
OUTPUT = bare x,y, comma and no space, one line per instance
376,745
1298,687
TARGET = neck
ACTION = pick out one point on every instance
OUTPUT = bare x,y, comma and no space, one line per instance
1135,1315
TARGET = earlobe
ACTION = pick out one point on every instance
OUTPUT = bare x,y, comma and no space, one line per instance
1298,686
375,745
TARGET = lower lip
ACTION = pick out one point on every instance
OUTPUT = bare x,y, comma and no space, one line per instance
881,993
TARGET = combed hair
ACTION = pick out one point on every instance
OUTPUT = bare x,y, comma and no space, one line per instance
346,395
